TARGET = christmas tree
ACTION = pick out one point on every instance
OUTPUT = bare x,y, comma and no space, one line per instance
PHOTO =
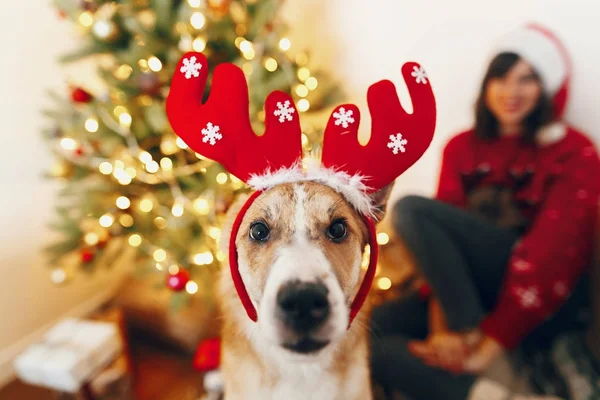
129,182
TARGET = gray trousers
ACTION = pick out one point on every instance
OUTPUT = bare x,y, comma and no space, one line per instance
464,259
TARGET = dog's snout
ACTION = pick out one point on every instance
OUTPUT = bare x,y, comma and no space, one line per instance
303,305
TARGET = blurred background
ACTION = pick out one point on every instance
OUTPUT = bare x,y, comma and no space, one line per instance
331,52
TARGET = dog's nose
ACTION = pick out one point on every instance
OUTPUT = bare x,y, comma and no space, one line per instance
303,306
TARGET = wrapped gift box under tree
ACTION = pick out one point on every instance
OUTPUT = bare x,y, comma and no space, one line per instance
81,359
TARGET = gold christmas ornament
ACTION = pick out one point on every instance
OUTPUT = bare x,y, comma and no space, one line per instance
238,13
147,18
61,169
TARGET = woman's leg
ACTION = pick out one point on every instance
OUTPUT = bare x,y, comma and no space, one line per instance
406,316
463,258
397,370
394,368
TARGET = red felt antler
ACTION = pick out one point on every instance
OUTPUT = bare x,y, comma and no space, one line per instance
220,129
398,139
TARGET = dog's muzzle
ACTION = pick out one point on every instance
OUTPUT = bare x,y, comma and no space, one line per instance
303,306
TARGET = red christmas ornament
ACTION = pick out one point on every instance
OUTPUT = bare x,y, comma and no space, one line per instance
208,355
78,95
87,256
150,84
177,281
79,151
88,5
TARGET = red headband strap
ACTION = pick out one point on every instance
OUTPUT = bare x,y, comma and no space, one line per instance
238,282
233,260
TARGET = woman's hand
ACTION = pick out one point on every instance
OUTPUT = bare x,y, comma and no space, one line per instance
446,350
485,353
457,353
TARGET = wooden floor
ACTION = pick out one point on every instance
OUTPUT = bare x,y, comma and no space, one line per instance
159,373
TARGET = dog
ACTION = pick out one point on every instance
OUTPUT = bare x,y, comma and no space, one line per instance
300,249
294,326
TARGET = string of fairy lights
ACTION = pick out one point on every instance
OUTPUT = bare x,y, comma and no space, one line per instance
132,165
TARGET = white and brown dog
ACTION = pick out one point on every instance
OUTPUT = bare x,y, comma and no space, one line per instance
300,252
294,284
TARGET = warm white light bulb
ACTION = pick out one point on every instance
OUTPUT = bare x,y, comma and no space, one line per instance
384,283
285,44
383,238
146,205
197,20
125,119
58,276
91,125
177,209
191,287
271,64
68,144
106,168
152,167
222,178
106,220
135,240
123,202
155,64
160,255
202,206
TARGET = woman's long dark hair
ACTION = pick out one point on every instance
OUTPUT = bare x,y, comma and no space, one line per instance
486,124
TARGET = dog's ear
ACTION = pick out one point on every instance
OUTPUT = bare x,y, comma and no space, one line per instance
380,199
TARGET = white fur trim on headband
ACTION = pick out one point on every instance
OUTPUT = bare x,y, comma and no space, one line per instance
352,187
541,51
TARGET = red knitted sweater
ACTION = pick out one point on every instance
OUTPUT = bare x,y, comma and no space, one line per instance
557,186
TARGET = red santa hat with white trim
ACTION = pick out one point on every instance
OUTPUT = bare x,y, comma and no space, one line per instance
544,51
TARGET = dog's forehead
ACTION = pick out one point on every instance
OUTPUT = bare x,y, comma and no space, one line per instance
312,196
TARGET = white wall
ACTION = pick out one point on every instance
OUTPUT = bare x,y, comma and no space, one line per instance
365,41
31,37
361,41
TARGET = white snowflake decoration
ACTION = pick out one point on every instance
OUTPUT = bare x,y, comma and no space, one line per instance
528,297
190,67
419,74
284,111
561,289
211,134
397,143
343,117
522,266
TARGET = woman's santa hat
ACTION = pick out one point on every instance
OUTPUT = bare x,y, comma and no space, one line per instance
543,50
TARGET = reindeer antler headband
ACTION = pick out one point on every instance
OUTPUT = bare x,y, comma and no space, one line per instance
220,129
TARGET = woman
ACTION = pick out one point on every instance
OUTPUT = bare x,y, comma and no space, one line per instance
506,242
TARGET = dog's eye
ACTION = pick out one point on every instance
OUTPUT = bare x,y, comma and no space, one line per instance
338,230
259,231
